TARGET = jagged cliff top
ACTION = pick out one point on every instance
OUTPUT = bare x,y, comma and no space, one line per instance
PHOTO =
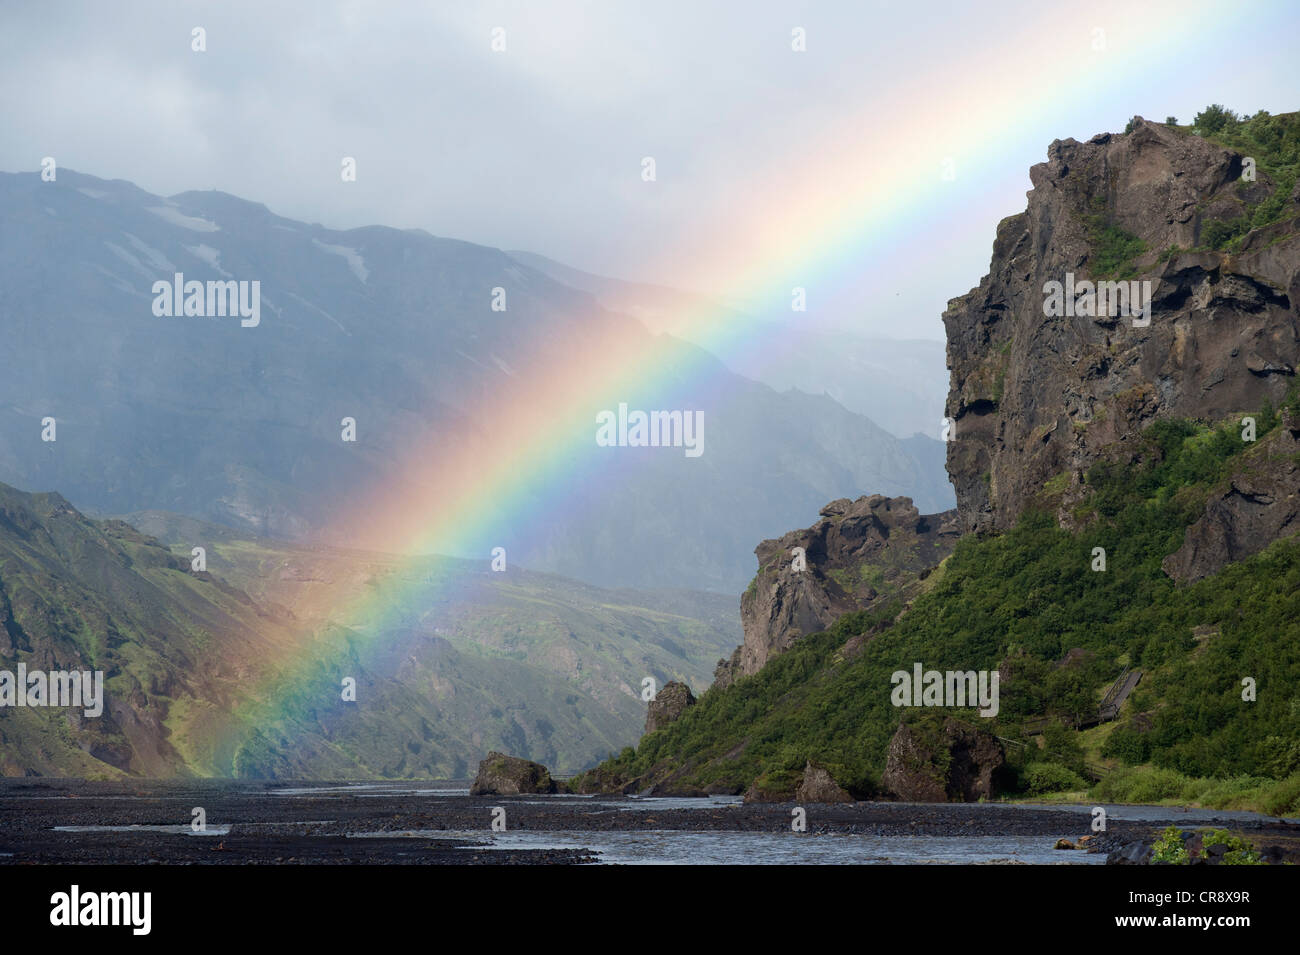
1037,399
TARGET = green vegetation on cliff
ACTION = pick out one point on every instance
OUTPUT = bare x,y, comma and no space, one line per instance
1274,143
1022,601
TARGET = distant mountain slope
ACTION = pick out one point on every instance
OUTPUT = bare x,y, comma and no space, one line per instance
77,594
532,663
605,642
394,329
900,383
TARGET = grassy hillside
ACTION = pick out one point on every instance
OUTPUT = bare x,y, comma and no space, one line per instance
1022,601
237,671
583,648
81,594
532,664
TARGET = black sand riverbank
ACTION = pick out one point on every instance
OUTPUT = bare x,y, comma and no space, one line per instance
320,823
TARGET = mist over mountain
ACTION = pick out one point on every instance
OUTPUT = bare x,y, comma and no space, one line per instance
236,423
898,383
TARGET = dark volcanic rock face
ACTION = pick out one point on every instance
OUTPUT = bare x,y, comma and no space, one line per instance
955,763
1035,397
668,705
858,550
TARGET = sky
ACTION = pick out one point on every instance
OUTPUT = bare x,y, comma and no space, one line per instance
870,167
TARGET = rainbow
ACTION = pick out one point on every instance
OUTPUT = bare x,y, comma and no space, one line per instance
874,187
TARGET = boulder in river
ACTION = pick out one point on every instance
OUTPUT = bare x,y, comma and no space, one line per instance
955,762
502,775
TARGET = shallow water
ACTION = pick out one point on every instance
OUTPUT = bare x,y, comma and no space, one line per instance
879,834
1179,815
461,788
674,847
366,789
1176,814
168,830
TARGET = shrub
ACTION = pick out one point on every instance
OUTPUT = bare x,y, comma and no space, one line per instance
1127,745
1169,848
1042,778
1282,798
1240,852
1216,233
1277,756
1114,250
1140,784
1214,118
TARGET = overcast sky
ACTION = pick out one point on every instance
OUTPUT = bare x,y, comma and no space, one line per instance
539,147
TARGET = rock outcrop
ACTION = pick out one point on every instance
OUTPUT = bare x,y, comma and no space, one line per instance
600,781
954,762
1260,505
668,705
1037,399
1211,847
814,785
819,786
502,775
1040,392
856,551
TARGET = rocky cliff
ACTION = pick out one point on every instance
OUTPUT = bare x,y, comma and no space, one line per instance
806,579
1038,398
1166,419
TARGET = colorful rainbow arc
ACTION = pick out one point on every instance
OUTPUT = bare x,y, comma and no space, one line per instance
857,199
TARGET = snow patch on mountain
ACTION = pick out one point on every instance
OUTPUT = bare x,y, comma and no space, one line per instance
174,216
209,255
155,258
355,262
130,259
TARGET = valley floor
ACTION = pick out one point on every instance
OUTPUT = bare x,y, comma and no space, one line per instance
47,821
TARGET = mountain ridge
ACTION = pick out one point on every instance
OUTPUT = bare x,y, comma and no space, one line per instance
242,425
